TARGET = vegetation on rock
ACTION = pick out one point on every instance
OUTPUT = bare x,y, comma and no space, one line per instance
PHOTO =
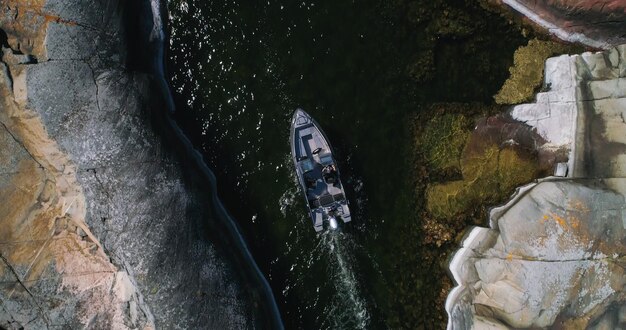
527,71
463,52
487,179
462,41
470,164
464,165
443,139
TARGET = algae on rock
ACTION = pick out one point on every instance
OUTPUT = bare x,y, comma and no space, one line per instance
527,70
487,178
442,140
470,164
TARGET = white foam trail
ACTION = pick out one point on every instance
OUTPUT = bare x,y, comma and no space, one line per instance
350,309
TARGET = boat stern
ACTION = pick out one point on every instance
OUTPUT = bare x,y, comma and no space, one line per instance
344,212
317,215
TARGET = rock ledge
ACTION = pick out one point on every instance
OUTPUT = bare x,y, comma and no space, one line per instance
554,255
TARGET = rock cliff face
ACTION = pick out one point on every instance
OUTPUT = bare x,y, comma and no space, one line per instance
554,254
98,227
597,24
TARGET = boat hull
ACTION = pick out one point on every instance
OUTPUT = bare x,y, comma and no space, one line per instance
318,173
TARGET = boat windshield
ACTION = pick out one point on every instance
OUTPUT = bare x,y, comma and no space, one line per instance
306,165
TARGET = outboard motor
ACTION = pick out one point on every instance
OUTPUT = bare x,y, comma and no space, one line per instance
332,222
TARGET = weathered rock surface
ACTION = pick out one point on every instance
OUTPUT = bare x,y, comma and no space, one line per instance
99,229
554,255
54,270
598,24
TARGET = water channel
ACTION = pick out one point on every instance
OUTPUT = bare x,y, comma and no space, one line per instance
238,71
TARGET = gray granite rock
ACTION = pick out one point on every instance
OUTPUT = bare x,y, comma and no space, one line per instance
149,219
554,255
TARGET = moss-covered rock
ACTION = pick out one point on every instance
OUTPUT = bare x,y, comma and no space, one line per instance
527,71
487,178
515,169
493,158
442,140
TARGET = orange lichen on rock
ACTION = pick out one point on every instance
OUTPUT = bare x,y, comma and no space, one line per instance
558,219
555,218
25,23
578,206
43,235
568,221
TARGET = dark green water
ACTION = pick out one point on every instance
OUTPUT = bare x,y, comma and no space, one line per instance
239,70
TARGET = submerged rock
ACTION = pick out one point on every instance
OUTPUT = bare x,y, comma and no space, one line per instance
470,163
553,255
498,155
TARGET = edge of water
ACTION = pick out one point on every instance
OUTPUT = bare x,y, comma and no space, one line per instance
156,39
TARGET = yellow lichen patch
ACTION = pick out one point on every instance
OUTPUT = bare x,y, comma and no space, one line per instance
574,222
527,70
568,221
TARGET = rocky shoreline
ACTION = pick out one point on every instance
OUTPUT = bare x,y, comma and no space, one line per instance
118,237
553,254
596,24
111,219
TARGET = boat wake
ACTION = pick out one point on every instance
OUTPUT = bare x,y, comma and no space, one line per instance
347,309
332,257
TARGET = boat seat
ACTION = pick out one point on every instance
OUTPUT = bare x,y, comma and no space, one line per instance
330,179
326,200
315,203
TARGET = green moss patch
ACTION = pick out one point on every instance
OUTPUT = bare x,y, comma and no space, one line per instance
443,139
487,179
527,70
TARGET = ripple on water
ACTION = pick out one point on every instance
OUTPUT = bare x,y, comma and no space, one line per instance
346,309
